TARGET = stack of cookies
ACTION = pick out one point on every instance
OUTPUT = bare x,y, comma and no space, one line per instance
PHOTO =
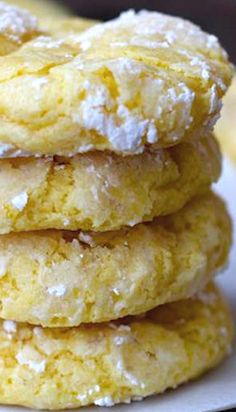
110,234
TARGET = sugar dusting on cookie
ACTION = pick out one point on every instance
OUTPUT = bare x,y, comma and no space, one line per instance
105,401
57,290
9,326
20,201
31,358
16,22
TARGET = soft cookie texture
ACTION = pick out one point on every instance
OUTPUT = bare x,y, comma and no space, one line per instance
115,362
142,79
100,191
226,127
17,26
88,277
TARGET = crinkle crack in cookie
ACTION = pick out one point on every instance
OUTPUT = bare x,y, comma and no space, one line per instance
100,191
116,362
17,26
225,129
83,277
142,79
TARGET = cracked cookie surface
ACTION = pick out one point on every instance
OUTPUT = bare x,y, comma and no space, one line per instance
139,80
82,277
100,191
115,362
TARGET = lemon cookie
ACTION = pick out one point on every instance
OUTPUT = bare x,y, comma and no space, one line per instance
16,27
226,127
142,79
83,277
116,362
100,191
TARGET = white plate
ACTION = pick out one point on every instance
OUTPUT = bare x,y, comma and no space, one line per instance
217,390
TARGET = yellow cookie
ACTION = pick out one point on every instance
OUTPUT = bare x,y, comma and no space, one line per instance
84,277
16,27
117,362
225,129
99,191
142,79
42,8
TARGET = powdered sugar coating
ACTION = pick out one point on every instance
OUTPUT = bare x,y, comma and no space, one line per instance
106,401
77,193
15,23
142,79
125,128
117,273
20,201
68,368
9,151
57,290
9,326
26,357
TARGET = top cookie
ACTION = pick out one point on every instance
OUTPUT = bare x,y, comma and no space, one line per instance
142,79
